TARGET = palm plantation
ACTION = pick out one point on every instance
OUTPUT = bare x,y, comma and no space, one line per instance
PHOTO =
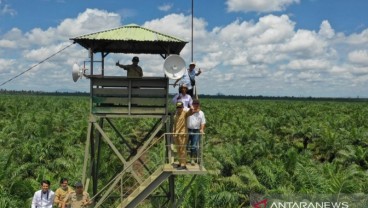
253,146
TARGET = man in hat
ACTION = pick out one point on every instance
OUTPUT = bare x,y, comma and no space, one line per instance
183,96
133,70
181,131
196,124
189,78
78,198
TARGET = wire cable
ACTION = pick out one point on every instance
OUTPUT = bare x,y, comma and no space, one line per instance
36,65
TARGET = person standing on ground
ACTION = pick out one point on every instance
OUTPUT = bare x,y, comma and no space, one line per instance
78,198
196,125
43,198
62,191
133,70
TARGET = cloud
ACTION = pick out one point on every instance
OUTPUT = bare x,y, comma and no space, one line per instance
6,64
258,5
267,56
7,44
359,57
326,30
6,9
165,7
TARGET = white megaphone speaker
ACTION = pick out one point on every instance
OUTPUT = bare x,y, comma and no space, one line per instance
77,72
174,66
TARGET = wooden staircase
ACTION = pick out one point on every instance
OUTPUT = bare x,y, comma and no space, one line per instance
137,184
145,189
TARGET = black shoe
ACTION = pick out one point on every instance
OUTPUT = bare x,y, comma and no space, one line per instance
182,168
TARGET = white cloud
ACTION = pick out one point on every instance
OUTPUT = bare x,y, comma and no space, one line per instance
305,44
165,7
358,39
6,64
91,20
7,44
258,5
326,30
359,57
6,9
307,64
256,57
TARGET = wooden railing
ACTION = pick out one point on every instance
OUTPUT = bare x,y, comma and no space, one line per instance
129,96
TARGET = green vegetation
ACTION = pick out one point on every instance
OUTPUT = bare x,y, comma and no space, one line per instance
252,146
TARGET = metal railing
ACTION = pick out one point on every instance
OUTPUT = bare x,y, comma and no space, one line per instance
160,152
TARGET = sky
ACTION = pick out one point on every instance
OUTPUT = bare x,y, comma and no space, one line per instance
300,48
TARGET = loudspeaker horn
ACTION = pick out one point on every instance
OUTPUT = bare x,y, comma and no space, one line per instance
174,66
77,72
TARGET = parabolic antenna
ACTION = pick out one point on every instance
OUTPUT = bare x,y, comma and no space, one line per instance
174,66
76,72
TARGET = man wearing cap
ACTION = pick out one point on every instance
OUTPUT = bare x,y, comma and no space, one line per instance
133,70
189,78
181,131
78,198
196,124
183,96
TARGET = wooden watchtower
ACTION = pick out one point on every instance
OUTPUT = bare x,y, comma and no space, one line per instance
141,166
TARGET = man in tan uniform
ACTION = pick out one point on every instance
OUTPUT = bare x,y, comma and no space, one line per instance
62,191
78,198
181,131
133,70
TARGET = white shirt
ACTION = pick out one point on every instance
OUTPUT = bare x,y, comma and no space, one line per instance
186,99
196,120
43,200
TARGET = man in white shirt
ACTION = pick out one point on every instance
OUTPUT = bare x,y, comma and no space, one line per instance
196,124
43,198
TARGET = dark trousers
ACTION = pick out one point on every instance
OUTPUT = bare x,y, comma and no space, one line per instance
193,143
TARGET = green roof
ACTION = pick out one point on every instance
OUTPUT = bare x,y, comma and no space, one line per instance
131,39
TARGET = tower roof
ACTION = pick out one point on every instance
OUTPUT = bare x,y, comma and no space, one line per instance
131,38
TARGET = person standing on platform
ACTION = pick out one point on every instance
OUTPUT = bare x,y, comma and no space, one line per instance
62,191
183,96
133,70
192,73
189,78
43,198
181,132
196,125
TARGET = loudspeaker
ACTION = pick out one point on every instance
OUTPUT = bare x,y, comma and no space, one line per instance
174,66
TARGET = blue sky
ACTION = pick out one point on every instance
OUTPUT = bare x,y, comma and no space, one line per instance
313,48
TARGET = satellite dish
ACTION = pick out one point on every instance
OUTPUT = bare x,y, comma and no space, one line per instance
77,72
174,66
